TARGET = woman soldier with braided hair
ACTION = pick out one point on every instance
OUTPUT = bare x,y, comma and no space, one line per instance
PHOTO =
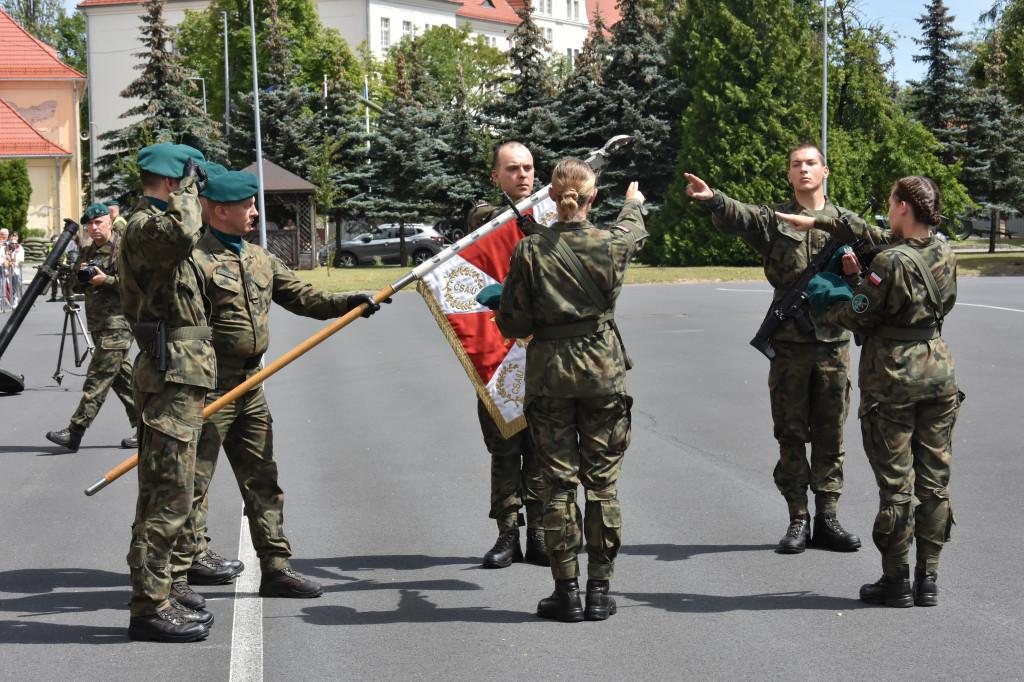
909,393
561,288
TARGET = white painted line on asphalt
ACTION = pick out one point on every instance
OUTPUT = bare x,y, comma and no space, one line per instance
991,307
247,628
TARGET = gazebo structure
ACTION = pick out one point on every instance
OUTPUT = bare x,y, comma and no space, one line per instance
288,197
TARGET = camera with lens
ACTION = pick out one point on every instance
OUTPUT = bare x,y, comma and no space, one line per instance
90,270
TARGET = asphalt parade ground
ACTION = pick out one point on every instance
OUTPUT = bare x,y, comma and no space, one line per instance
387,480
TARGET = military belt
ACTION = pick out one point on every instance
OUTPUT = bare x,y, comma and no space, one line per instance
574,329
190,334
229,362
907,333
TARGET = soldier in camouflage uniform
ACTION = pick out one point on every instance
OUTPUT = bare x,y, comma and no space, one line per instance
241,281
109,367
576,405
909,393
809,381
160,283
515,472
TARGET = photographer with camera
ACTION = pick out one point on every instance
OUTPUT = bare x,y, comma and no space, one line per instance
96,278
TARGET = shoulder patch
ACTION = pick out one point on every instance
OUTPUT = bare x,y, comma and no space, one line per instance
622,227
859,303
482,205
874,278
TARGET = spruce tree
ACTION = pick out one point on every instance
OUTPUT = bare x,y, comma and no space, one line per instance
642,98
287,124
583,102
938,100
15,192
994,159
526,108
167,105
754,94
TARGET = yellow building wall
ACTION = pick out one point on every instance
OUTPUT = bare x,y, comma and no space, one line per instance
52,108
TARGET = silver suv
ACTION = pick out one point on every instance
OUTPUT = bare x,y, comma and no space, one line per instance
383,242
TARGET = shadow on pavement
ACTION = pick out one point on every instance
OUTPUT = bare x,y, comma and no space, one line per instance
666,552
678,602
412,608
41,580
395,562
16,632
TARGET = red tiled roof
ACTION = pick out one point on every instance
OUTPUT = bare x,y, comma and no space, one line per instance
95,3
499,11
19,138
24,56
609,11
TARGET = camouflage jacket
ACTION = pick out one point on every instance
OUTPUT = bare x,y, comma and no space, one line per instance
478,215
542,292
785,252
240,289
103,302
895,295
159,281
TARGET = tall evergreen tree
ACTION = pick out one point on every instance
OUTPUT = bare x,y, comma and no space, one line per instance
938,101
15,192
871,140
753,95
642,98
286,107
583,104
167,105
994,162
526,108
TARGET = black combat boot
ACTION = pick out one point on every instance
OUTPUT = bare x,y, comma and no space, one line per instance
288,583
506,550
890,591
69,438
599,604
797,535
207,570
536,548
828,534
235,564
926,592
130,443
564,604
182,593
201,616
166,625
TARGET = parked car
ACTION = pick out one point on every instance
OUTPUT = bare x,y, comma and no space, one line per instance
383,242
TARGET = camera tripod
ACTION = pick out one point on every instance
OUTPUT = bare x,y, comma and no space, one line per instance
73,319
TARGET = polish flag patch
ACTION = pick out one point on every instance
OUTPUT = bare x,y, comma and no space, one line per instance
874,279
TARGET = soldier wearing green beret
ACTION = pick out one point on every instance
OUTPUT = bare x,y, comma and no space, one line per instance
516,482
163,301
97,280
241,281
562,287
116,219
808,382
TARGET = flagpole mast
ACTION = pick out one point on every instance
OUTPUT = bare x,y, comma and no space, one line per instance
824,91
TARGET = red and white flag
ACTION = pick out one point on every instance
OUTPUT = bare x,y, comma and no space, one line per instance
495,365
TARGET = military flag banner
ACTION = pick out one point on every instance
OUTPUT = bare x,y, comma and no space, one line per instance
495,365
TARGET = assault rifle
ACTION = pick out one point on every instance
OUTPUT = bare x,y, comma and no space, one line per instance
793,305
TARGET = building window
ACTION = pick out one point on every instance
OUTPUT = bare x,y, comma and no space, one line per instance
549,33
407,29
575,10
385,33
544,7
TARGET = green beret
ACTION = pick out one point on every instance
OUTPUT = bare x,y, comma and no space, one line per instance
213,169
111,203
95,211
168,159
231,186
824,289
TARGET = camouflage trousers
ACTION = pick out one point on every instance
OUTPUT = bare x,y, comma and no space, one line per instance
168,431
109,368
809,385
515,475
581,441
245,430
910,448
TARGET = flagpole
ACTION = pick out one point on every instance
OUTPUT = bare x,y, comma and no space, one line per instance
824,91
259,144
